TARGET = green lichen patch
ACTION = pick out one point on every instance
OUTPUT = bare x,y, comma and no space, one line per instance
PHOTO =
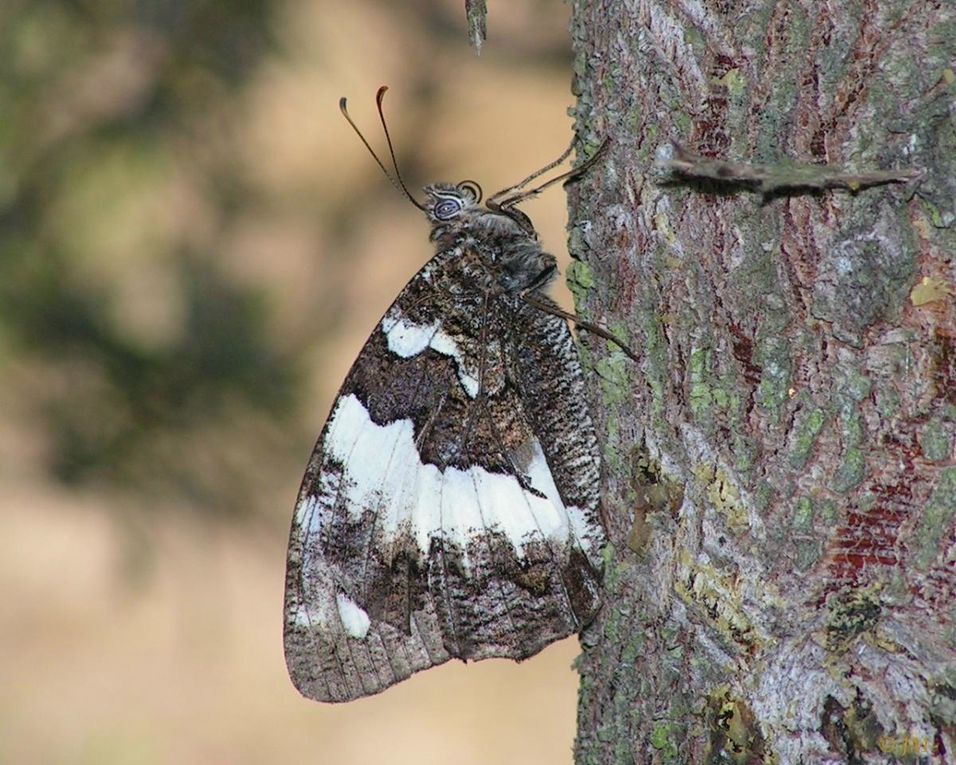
935,441
828,513
612,571
711,396
619,331
852,614
735,83
802,514
805,437
664,739
745,451
937,519
808,554
852,468
851,472
612,372
580,279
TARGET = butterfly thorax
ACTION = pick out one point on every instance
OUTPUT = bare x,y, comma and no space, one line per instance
503,241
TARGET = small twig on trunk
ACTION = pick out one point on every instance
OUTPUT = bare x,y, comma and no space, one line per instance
776,179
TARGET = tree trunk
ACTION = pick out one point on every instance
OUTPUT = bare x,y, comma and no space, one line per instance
779,468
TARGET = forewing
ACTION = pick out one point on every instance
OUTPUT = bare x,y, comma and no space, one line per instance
442,513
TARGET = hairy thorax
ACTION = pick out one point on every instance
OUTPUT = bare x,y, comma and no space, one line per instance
505,256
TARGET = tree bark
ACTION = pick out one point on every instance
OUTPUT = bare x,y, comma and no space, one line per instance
779,469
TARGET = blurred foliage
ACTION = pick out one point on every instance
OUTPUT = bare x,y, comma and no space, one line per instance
130,342
144,358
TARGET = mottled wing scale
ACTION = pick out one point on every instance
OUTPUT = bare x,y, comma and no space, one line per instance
450,507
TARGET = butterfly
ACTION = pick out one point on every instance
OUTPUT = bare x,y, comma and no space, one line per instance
450,508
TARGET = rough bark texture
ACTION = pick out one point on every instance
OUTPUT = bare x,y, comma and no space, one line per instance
780,483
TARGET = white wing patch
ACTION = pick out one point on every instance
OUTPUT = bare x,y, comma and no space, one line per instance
353,616
384,473
407,339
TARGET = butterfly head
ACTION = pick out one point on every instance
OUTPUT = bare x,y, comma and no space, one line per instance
453,208
446,202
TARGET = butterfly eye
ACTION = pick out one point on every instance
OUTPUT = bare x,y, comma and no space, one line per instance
447,209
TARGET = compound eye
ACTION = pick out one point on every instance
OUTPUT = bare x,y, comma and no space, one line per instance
447,209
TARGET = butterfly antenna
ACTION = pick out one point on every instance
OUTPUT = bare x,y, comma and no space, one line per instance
379,97
400,185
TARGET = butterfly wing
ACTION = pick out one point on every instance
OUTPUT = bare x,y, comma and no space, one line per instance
450,507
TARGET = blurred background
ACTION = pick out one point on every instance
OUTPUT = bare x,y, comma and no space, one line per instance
193,248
